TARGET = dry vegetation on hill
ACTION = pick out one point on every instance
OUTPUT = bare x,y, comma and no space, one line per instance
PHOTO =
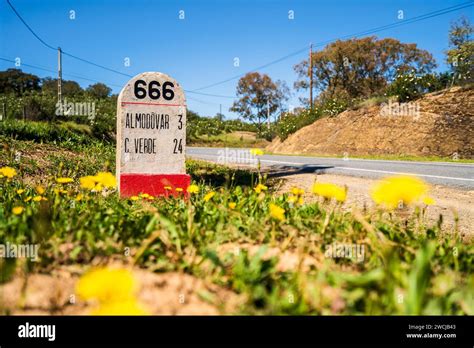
444,126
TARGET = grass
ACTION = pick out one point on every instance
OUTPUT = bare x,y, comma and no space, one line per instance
410,158
233,139
409,266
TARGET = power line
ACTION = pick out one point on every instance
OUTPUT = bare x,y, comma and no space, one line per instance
89,61
109,84
52,71
370,31
29,28
366,32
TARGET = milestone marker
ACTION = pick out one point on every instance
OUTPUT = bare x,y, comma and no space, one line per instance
151,137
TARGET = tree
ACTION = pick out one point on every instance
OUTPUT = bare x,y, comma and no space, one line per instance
258,97
461,52
359,68
69,88
99,90
17,82
220,117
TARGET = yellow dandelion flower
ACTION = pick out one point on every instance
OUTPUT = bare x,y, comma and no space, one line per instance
87,182
17,210
127,307
179,189
40,190
27,199
168,188
429,201
20,191
64,180
134,198
396,190
330,191
7,172
277,212
37,198
256,152
209,196
193,188
106,179
260,187
79,197
106,285
145,195
98,187
232,205
292,199
297,191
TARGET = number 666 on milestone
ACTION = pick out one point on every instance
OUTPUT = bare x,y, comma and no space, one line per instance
151,136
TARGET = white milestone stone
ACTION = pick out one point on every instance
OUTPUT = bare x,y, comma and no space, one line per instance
151,126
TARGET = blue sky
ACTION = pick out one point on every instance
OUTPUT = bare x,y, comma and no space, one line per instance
201,49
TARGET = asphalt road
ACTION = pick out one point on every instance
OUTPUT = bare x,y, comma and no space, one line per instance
441,173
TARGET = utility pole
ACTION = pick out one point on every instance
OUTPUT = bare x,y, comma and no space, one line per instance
60,78
268,113
310,72
220,109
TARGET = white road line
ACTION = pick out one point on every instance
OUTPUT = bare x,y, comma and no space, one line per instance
434,163
404,173
361,169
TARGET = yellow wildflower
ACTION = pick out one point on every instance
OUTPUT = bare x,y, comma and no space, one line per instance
429,201
37,198
20,191
277,212
106,285
87,182
127,307
232,205
193,188
64,180
209,196
7,172
17,210
396,190
295,200
167,188
260,187
27,199
256,152
79,197
297,191
106,179
330,191
179,189
134,198
40,189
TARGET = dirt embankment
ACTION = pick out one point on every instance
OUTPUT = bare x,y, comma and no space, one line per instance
439,124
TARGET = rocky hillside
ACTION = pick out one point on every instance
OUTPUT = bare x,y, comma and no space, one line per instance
439,124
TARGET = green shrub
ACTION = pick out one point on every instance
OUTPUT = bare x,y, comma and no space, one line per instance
44,132
409,86
290,122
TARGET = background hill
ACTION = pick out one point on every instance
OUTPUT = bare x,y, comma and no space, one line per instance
443,126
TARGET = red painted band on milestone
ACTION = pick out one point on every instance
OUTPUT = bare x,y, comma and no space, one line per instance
157,104
154,184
